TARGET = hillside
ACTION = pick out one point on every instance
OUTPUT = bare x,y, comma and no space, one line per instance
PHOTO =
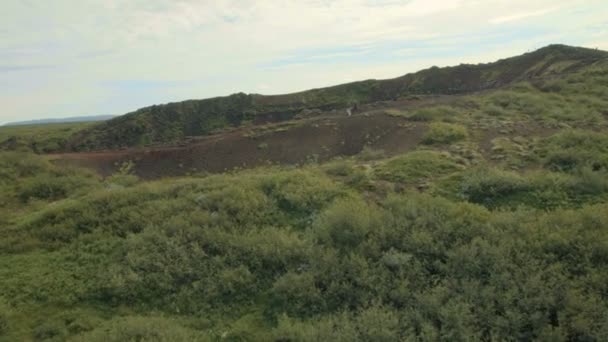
91,118
170,123
455,209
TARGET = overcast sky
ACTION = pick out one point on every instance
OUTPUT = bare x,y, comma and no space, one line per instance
63,58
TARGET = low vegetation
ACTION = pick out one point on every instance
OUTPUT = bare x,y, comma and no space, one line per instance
169,123
444,133
493,227
39,138
309,254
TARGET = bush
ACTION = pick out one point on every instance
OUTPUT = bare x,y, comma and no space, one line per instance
297,295
376,323
570,150
141,328
346,223
5,311
491,187
46,187
444,133
523,101
416,166
426,114
340,168
121,181
15,165
52,330
368,153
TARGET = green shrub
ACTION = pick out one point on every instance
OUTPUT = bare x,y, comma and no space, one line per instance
5,312
300,194
47,187
346,223
340,168
444,133
50,330
375,323
368,153
297,295
120,180
44,188
426,114
570,150
589,182
494,110
525,101
16,165
141,328
543,190
491,187
416,166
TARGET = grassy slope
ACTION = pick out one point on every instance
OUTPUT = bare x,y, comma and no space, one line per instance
40,138
480,235
174,121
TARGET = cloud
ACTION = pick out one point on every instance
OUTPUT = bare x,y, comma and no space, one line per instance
523,15
110,56
9,68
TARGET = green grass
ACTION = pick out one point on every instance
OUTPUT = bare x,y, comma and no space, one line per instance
440,243
417,166
274,253
42,138
426,114
444,133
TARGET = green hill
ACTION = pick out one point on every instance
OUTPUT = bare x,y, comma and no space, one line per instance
174,121
480,218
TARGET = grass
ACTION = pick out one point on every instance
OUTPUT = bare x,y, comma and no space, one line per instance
438,243
417,166
42,138
444,133
425,114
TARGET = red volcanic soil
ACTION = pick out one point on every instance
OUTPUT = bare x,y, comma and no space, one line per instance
293,142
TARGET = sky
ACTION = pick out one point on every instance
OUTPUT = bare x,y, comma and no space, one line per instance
64,58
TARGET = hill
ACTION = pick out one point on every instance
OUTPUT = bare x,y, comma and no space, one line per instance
468,216
170,123
39,138
91,118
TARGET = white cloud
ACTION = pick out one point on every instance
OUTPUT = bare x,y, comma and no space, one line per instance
218,47
523,15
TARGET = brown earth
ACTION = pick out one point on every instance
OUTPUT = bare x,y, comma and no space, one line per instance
316,139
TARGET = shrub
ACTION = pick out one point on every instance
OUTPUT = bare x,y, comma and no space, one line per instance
122,181
525,101
375,323
368,153
297,295
44,188
570,150
15,166
416,166
444,133
53,330
425,114
4,316
141,328
491,187
346,223
300,194
494,110
340,168
53,187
